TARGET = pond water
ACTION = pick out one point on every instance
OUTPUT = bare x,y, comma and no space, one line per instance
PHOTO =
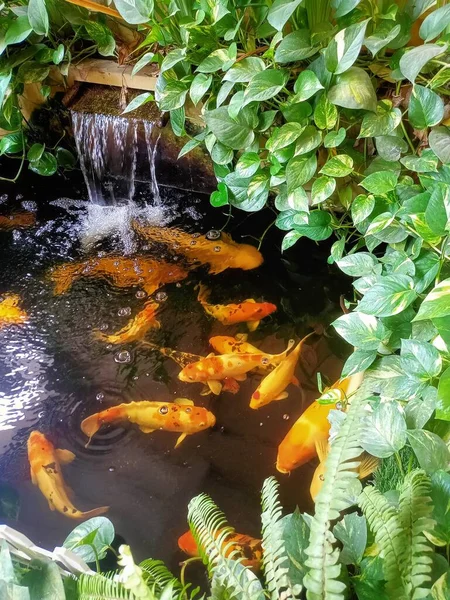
54,372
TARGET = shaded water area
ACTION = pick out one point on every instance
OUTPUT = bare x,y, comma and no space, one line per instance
54,373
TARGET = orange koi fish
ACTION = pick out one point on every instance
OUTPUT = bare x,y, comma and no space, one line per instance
367,466
273,386
136,328
119,271
212,369
186,358
10,313
248,311
312,427
17,221
180,416
221,253
248,547
45,467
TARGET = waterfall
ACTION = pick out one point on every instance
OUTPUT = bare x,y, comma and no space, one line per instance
152,147
107,149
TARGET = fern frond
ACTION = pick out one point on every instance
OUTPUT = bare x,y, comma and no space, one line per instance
230,579
157,576
275,559
100,587
384,522
415,517
210,530
322,580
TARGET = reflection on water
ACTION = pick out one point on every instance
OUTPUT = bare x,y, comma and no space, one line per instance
54,372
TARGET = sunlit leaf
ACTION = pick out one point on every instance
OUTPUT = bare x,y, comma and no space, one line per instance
384,430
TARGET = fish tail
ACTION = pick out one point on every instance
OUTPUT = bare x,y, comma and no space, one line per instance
95,512
203,293
92,424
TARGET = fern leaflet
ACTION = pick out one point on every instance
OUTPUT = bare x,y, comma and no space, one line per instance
275,559
100,587
322,580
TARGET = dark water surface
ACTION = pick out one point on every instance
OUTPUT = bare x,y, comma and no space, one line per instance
53,373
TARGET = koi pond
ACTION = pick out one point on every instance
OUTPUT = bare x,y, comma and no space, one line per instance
74,353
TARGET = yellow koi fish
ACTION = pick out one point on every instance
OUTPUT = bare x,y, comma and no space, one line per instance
45,466
273,386
136,328
299,445
10,313
20,220
248,311
180,416
120,271
221,253
212,369
366,467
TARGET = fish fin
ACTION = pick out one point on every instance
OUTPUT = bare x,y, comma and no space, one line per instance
203,293
368,465
215,386
180,439
65,457
95,512
183,401
210,355
242,337
51,505
205,391
295,381
241,377
33,477
253,325
69,491
250,300
322,448
146,429
282,396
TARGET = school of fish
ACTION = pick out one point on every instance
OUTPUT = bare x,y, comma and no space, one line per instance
233,359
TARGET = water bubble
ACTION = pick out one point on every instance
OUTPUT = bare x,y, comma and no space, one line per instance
124,312
217,248
178,284
103,326
140,294
222,429
286,417
136,377
122,357
213,234
109,346
161,297
164,410
195,235
261,424
339,406
176,246
193,242
100,396
111,469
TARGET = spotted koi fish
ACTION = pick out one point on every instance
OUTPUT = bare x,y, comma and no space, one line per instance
10,312
180,416
273,386
183,359
312,428
250,549
136,328
45,467
219,253
248,311
212,369
20,220
119,271
224,344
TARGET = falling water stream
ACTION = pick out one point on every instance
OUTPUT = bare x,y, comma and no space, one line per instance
108,149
